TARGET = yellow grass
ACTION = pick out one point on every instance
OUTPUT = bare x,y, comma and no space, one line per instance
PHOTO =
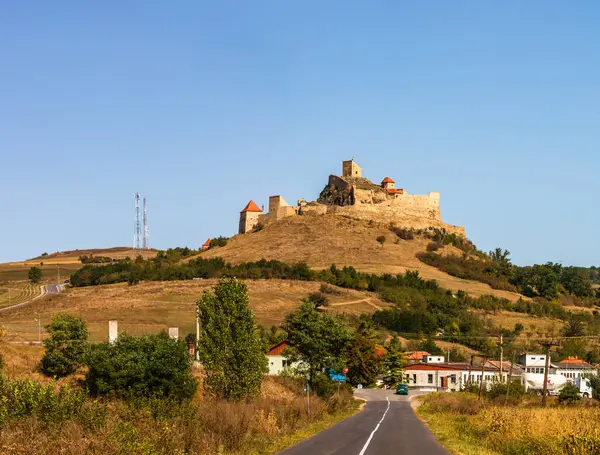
532,324
154,306
526,428
323,240
13,293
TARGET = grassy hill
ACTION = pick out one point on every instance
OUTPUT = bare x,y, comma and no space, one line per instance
64,262
323,240
153,306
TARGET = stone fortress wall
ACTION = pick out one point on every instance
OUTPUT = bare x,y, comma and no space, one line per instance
355,196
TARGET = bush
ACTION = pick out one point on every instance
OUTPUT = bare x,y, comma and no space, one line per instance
498,389
327,289
381,239
218,241
403,233
433,246
318,299
25,398
569,394
65,347
138,367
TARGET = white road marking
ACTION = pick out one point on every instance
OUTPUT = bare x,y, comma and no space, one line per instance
364,449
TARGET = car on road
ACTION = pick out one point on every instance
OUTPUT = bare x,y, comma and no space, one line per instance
402,389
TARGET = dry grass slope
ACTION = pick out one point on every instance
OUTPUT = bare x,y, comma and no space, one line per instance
324,240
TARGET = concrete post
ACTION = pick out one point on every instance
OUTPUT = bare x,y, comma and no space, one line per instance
174,333
113,331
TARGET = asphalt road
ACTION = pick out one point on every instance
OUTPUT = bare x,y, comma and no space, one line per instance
387,425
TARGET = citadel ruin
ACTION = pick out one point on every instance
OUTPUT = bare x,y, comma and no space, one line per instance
355,196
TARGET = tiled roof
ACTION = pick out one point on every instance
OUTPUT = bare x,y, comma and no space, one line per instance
394,190
278,348
252,207
387,180
417,355
571,359
447,366
207,243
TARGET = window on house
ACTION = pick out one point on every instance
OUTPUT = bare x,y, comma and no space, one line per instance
453,379
415,378
430,379
284,363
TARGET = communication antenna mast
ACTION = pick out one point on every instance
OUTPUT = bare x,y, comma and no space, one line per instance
146,243
137,230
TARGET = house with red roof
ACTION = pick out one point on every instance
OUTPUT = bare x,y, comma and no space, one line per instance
275,359
206,245
390,186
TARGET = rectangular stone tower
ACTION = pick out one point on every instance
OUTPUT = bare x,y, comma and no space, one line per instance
351,169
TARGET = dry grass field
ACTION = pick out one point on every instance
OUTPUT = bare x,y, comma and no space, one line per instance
467,426
324,240
155,306
15,292
532,324
63,263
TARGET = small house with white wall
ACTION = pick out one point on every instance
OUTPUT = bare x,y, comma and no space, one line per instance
574,367
533,363
276,361
434,373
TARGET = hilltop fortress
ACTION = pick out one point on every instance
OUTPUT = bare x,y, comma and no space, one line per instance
355,196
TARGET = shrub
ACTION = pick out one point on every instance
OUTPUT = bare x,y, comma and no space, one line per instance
258,227
138,367
498,389
569,394
327,289
433,246
381,239
403,233
65,347
1,364
318,299
218,241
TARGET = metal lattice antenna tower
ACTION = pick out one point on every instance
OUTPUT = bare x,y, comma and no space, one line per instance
146,243
137,231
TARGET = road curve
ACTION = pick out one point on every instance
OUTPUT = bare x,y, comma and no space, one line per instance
382,428
48,289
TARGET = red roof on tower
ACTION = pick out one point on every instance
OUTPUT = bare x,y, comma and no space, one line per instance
251,207
206,244
388,180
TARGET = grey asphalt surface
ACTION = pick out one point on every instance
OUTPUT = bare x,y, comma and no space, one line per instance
400,432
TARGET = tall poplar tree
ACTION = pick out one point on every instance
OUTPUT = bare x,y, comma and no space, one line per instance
230,347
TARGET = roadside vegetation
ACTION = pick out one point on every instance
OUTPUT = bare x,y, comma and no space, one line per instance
142,395
488,427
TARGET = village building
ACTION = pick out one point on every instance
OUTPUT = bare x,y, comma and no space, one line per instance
205,245
414,356
435,374
574,368
276,361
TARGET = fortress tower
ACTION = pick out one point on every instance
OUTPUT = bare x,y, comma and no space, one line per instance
351,169
249,217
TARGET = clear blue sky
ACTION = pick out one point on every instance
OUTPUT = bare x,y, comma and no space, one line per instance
202,106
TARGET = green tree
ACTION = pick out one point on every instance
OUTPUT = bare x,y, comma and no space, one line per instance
576,281
569,394
318,299
364,363
317,341
230,346
35,275
65,347
137,367
429,345
393,364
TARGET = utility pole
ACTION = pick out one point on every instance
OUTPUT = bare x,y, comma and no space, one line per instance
197,333
501,344
547,345
39,328
470,368
57,274
485,357
509,377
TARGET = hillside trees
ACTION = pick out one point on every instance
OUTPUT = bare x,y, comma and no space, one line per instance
35,275
364,363
317,341
230,347
65,348
393,364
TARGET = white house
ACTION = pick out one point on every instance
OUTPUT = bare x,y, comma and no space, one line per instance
573,368
441,375
533,363
275,359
